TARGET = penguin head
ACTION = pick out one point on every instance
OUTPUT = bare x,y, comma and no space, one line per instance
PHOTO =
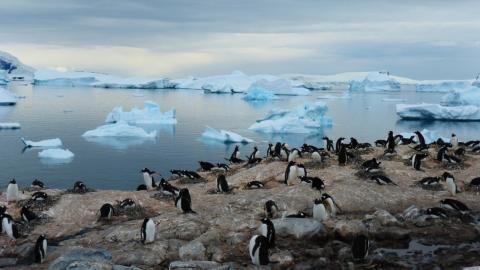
221,177
326,196
13,181
255,148
318,201
325,138
446,175
145,170
236,148
266,221
390,133
291,163
453,135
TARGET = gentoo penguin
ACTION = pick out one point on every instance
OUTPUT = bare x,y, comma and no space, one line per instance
436,212
299,214
452,159
40,249
222,166
383,180
421,142
184,201
320,212
127,203
293,155
398,139
454,205
474,183
460,151
148,178
39,196
360,247
450,181
284,151
342,155
168,189
416,160
429,181
3,209
271,209
254,154
268,230
258,250
353,143
277,150
37,184
106,211
79,187
334,208
329,144
371,165
12,191
316,182
338,144
191,174
290,173
254,184
454,140
381,143
407,141
390,142
27,214
301,171
177,173
206,166
148,231
141,187
235,154
222,184
270,150
9,227
441,153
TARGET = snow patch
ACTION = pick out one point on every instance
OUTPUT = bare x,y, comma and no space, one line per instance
224,136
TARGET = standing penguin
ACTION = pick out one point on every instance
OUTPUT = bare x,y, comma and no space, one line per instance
293,155
391,142
222,184
342,155
254,154
454,140
290,173
106,211
421,142
27,214
441,153
12,191
37,184
338,144
40,249
450,181
148,231
270,150
258,250
271,209
329,144
235,154
9,227
301,171
148,178
332,204
320,212
79,187
416,160
268,230
184,201
360,247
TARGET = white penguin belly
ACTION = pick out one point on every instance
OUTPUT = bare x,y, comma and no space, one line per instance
255,257
451,186
148,180
150,231
320,212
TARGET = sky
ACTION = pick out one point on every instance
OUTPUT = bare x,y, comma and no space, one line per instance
176,38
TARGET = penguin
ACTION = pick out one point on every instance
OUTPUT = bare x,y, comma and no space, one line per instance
270,150
290,173
364,145
329,144
12,191
223,166
191,174
441,153
254,154
407,141
222,184
390,142
284,152
148,231
472,143
254,184
381,143
301,171
127,203
293,155
79,187
436,212
334,208
474,183
460,151
3,209
416,160
306,148
235,154
338,144
454,140
184,202
450,181
316,155
353,143
148,178
371,165
342,155
271,209
277,150
320,212
39,196
382,180
454,205
360,247
268,230
389,152
421,142
316,182
300,214
206,166
37,184
398,139
106,211
27,214
141,187
452,159
9,227
168,189
429,181
40,249
258,250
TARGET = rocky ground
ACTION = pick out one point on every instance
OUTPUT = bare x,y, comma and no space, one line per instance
217,236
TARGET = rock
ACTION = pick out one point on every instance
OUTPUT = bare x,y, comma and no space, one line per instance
411,213
76,258
137,254
390,233
192,251
204,265
347,229
121,267
345,254
299,227
284,259
24,250
382,217
89,265
236,238
4,262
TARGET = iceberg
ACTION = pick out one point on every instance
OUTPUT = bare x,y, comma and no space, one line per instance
279,87
393,99
259,94
429,135
7,98
119,129
56,155
9,125
224,136
344,96
135,83
438,112
375,81
150,114
44,143
442,86
465,96
307,119
212,89
11,69
316,86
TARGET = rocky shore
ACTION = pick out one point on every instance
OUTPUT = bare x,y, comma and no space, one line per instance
402,236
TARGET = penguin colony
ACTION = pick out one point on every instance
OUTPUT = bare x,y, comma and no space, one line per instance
324,207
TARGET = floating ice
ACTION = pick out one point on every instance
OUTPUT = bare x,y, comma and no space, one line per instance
438,112
9,125
259,94
308,118
224,136
56,155
466,96
150,114
134,83
393,99
280,87
375,81
44,143
429,135
7,98
119,129
316,86
344,96
212,89
441,86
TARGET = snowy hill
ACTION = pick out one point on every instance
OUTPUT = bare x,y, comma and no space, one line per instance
11,69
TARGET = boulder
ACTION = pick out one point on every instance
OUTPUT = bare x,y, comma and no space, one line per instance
299,227
192,251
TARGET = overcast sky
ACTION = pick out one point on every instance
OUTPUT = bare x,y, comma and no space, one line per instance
174,38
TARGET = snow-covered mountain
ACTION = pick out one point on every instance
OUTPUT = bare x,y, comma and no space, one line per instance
11,69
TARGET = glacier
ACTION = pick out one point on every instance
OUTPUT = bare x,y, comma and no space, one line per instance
119,129
375,81
307,119
43,143
56,156
7,98
224,136
9,125
150,114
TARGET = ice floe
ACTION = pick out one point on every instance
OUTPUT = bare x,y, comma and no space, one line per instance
259,94
150,114
308,118
375,81
344,96
393,99
429,135
11,125
56,155
463,96
438,112
224,136
7,98
280,87
119,129
440,86
43,143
